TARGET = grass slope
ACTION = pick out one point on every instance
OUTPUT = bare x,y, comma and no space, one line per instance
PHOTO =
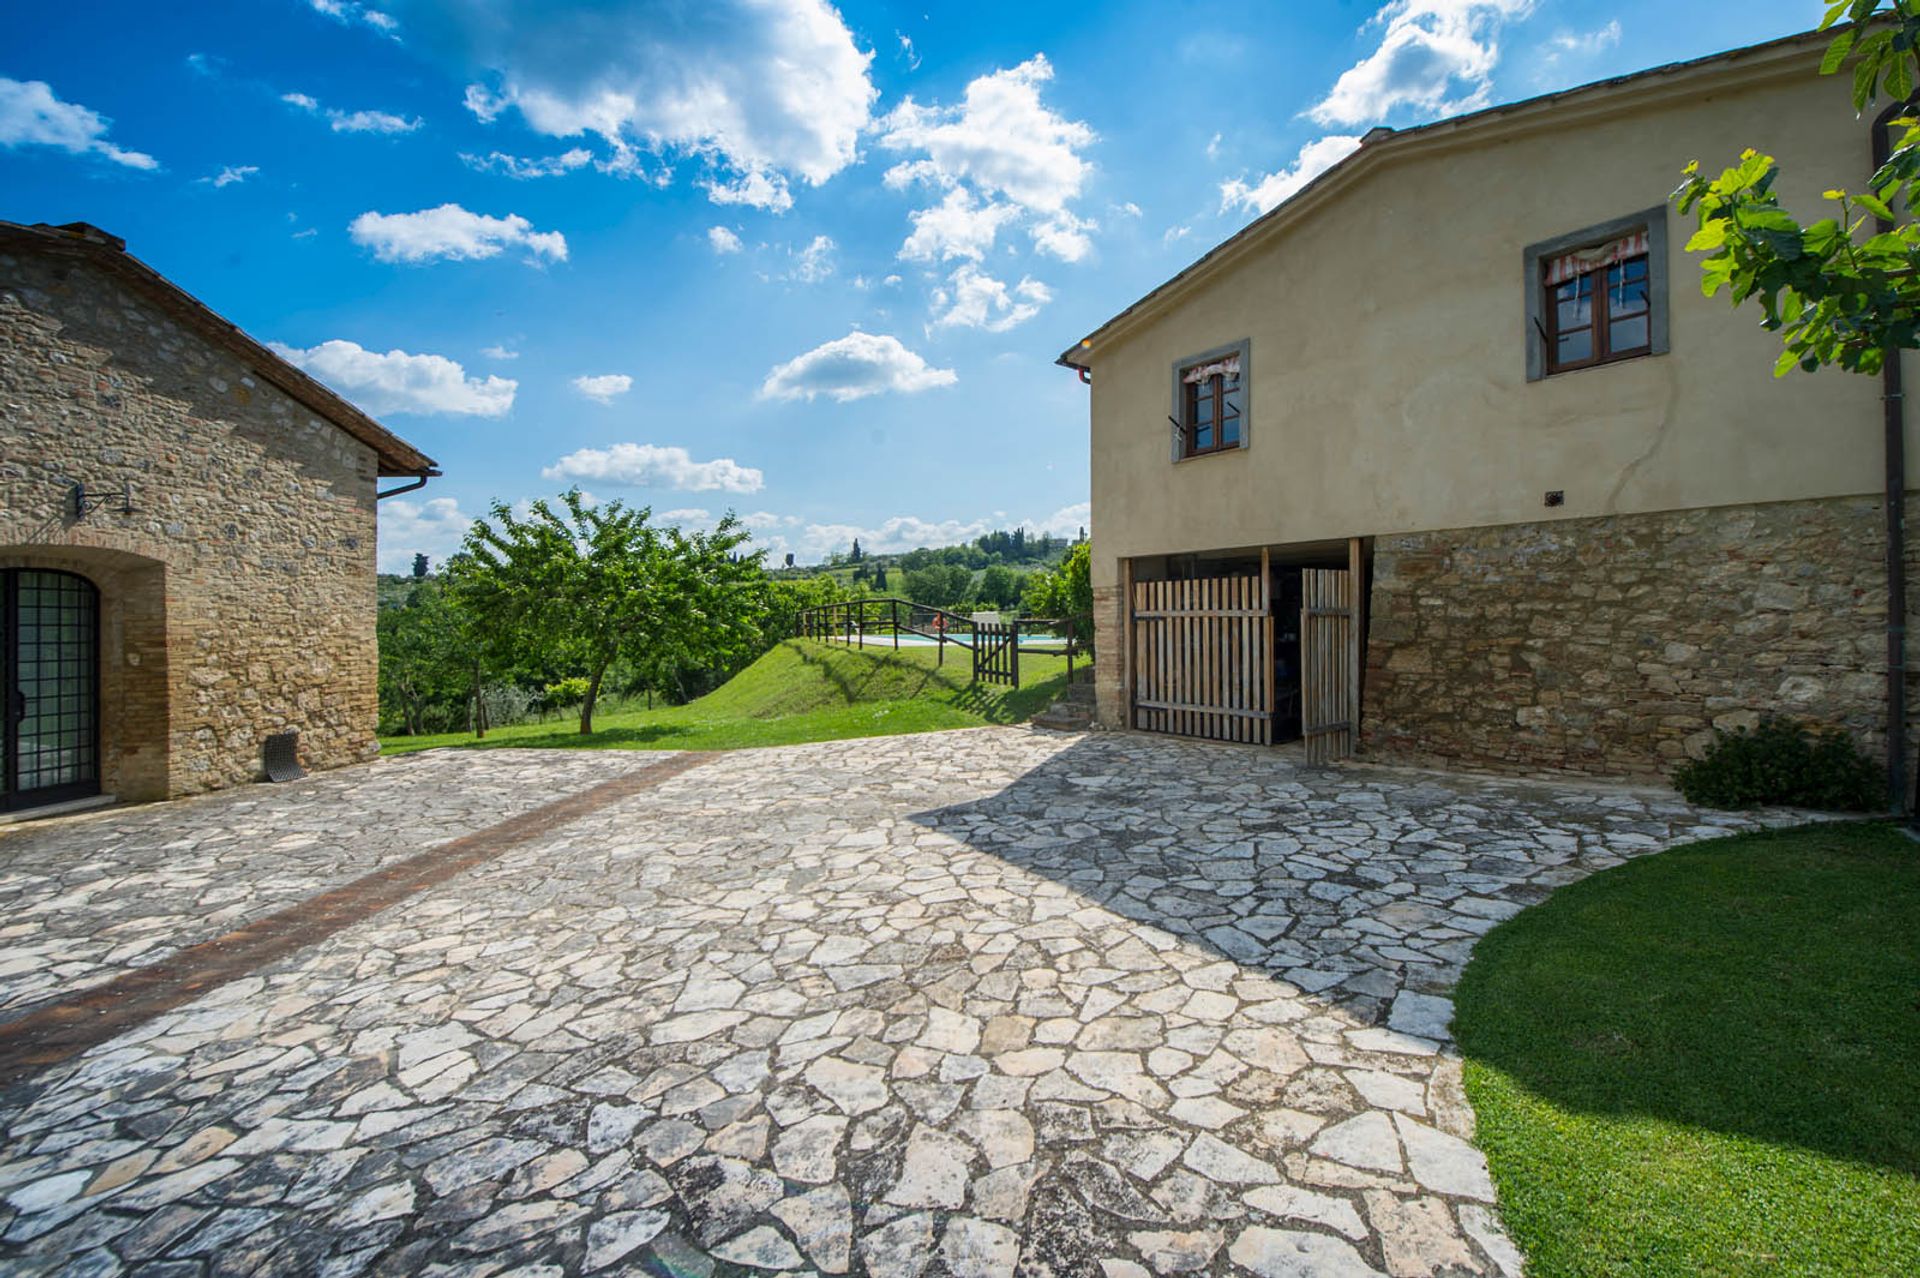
1708,1061
799,691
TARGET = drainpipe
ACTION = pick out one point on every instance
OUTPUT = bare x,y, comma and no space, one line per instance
1893,411
418,483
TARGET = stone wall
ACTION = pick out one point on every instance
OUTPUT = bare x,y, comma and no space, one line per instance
238,598
1615,646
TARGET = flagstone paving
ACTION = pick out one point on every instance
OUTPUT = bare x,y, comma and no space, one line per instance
87,899
964,1004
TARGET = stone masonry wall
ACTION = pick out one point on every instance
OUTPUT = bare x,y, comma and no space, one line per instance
238,598
1615,646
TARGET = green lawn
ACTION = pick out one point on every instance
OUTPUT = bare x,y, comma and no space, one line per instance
800,691
1707,1062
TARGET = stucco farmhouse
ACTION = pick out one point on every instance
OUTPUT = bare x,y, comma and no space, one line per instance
1447,459
186,536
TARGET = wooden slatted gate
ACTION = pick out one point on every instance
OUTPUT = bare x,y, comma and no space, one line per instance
1329,663
996,653
1203,658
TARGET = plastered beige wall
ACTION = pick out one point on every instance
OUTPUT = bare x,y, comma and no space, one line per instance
1389,389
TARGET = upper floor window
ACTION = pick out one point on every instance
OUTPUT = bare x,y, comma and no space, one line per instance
1597,296
1598,307
1210,402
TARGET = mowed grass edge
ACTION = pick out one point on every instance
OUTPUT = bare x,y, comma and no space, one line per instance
1707,1061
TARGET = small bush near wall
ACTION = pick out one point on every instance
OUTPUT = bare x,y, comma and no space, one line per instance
1779,762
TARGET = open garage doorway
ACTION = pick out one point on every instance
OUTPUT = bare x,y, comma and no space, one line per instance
1262,646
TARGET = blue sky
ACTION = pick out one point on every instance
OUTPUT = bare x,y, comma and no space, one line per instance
811,264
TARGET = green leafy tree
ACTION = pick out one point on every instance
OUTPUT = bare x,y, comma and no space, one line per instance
1066,593
424,658
1842,290
938,585
998,587
583,586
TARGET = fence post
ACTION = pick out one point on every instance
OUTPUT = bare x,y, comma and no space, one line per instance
1016,652
893,608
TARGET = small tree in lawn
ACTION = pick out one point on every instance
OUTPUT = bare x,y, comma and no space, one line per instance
584,584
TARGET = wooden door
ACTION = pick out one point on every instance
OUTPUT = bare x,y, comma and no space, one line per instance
1329,663
1202,659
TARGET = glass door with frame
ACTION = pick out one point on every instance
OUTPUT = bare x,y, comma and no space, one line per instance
49,661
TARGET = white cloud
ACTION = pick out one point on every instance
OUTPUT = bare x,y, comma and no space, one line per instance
1315,158
1002,156
973,299
907,54
499,352
524,167
1129,209
397,382
1582,44
451,232
814,262
230,175
686,515
604,387
758,189
1002,139
854,367
956,227
434,528
1174,234
371,122
349,11
759,89
1064,236
352,121
30,115
723,240
652,466
1435,57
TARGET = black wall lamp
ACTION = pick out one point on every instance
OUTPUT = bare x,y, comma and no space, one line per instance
80,502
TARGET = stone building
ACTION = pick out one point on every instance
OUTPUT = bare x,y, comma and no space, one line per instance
187,536
1447,459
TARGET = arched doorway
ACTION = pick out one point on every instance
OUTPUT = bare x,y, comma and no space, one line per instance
49,676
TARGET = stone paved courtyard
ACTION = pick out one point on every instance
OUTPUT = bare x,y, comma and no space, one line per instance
968,1004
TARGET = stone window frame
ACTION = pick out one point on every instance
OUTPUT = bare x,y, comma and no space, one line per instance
1654,222
1244,349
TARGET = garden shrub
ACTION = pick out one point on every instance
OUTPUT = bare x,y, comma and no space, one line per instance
1780,763
567,692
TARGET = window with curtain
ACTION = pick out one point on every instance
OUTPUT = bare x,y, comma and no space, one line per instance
1598,304
1212,403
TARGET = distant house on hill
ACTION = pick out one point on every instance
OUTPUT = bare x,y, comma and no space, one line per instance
186,536
1447,458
